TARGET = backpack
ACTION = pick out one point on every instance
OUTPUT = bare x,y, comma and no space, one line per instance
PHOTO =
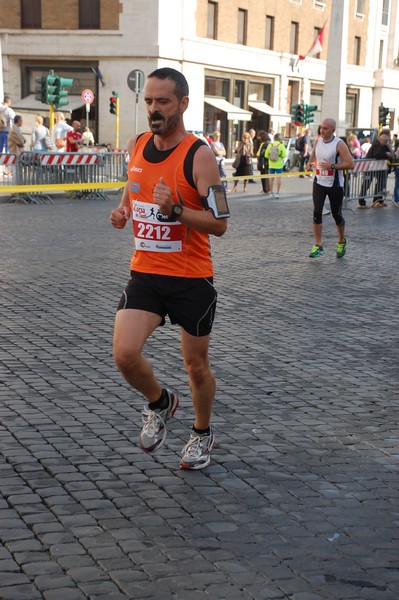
48,142
3,120
300,144
274,153
261,155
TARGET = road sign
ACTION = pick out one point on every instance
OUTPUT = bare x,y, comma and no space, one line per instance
87,96
135,81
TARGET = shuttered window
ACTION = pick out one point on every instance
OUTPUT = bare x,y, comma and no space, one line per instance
31,14
89,14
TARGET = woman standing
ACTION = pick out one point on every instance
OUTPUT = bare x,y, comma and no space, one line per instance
60,131
263,164
39,133
219,151
243,160
354,146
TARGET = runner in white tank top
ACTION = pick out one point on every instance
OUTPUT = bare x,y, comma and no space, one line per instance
330,157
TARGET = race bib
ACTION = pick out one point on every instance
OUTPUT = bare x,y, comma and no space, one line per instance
324,172
151,232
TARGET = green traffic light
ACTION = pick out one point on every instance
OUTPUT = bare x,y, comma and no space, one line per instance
51,89
65,82
40,90
61,93
384,116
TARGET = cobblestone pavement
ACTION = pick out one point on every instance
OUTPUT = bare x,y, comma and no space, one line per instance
300,501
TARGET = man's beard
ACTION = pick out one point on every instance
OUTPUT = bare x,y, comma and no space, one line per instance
164,126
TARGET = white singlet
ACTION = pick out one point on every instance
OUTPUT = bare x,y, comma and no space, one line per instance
327,152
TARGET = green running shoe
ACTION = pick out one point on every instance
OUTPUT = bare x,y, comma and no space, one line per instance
316,251
341,248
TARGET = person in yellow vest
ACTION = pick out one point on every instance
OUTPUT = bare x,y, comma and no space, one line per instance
275,154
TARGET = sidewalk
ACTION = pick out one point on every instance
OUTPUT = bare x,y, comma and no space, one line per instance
292,185
300,501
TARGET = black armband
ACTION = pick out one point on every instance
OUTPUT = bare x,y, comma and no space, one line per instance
216,200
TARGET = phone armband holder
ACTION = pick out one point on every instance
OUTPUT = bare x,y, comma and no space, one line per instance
216,200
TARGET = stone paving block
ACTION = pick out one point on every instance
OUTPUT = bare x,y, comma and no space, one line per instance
109,596
95,588
64,593
20,592
66,549
87,573
8,565
75,561
11,578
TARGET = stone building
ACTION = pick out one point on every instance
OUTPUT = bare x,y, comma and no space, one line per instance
239,56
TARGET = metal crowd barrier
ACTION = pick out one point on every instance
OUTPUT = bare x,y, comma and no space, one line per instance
80,174
368,179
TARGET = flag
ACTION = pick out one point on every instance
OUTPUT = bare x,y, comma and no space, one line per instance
317,45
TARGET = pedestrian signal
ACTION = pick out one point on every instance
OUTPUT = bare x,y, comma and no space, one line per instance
384,115
112,105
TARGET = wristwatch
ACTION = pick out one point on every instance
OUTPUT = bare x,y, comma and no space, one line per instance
176,212
332,166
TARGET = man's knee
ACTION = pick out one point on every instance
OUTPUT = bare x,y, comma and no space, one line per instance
317,218
197,369
339,220
126,358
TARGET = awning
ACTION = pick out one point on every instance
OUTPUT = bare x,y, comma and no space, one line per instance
268,110
30,103
234,113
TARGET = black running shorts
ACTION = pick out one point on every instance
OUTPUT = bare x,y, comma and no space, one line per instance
189,302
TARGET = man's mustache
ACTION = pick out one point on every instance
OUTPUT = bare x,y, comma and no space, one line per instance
156,117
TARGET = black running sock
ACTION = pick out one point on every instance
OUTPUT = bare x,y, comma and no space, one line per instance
161,403
206,431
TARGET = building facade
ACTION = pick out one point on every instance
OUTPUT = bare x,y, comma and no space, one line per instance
239,56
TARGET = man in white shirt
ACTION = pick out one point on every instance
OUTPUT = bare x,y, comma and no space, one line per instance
6,122
365,147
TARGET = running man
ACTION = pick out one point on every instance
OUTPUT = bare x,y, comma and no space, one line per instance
330,156
176,174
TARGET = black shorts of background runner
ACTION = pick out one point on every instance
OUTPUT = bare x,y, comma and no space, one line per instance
336,197
189,302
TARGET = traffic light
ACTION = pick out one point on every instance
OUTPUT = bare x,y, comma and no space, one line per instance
41,89
60,93
297,111
112,105
384,116
309,113
51,89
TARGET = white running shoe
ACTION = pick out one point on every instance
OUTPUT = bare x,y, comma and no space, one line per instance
197,452
153,433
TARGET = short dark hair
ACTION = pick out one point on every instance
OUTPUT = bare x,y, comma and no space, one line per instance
181,85
17,118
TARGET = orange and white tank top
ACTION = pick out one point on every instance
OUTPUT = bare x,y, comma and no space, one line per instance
162,247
